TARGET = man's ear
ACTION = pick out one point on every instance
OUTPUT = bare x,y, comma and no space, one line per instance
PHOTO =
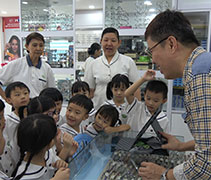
164,100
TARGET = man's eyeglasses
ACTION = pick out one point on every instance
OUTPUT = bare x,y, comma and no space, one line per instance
52,113
149,50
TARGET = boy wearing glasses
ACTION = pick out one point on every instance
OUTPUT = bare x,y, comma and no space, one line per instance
175,49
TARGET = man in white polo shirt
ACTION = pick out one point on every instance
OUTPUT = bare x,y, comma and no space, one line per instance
31,70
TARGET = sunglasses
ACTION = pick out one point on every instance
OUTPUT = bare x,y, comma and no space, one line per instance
149,50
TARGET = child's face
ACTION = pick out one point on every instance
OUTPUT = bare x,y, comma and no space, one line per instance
86,93
2,120
75,114
53,113
118,93
19,97
101,123
58,106
153,100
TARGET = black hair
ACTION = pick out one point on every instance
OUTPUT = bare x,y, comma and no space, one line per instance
40,104
2,105
93,48
110,30
157,86
53,93
171,23
11,87
117,81
82,101
18,42
34,35
34,133
21,111
109,112
80,86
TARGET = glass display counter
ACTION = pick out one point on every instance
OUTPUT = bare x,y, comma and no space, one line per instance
100,160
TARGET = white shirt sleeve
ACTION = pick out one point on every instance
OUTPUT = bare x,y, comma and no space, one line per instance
179,173
88,75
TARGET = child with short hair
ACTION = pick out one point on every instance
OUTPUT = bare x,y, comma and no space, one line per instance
106,117
56,95
35,136
17,94
154,96
78,110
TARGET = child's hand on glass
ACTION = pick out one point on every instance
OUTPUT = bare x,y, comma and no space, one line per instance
60,164
62,174
69,143
149,75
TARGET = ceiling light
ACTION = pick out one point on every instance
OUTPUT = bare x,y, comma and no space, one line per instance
151,10
45,10
4,12
91,6
24,2
148,3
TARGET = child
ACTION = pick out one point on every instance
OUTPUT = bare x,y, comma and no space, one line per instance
81,87
155,95
2,126
56,95
17,94
35,136
116,95
46,105
106,117
78,110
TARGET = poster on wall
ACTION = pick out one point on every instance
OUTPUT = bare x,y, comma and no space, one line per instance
12,45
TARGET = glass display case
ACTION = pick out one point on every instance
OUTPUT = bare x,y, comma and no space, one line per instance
46,15
135,14
101,160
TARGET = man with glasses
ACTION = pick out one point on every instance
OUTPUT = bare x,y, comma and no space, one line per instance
176,51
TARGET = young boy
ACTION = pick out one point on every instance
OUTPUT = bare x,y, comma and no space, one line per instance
155,95
56,95
78,110
81,87
17,94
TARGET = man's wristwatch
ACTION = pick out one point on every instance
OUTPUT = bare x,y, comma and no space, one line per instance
164,175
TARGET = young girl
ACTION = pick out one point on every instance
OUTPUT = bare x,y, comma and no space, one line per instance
35,136
115,95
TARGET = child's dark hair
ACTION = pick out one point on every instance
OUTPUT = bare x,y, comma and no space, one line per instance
40,104
110,30
53,93
83,101
11,87
93,48
2,105
157,86
109,112
80,86
34,133
117,81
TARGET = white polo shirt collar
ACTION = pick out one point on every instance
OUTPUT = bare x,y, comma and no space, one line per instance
30,62
114,59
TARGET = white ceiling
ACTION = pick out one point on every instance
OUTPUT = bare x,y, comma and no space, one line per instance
12,6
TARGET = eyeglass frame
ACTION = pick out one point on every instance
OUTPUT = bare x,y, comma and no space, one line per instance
149,50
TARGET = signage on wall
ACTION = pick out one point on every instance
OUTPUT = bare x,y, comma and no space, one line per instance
12,45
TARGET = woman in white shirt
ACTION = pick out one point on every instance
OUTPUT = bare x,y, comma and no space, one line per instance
102,69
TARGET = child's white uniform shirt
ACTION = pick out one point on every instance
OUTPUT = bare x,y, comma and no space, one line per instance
10,155
66,128
138,115
123,115
61,120
36,78
36,172
90,130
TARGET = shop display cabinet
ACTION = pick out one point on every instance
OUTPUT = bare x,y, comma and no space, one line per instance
55,21
100,159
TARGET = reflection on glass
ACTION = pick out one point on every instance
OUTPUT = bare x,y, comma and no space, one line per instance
47,15
134,14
